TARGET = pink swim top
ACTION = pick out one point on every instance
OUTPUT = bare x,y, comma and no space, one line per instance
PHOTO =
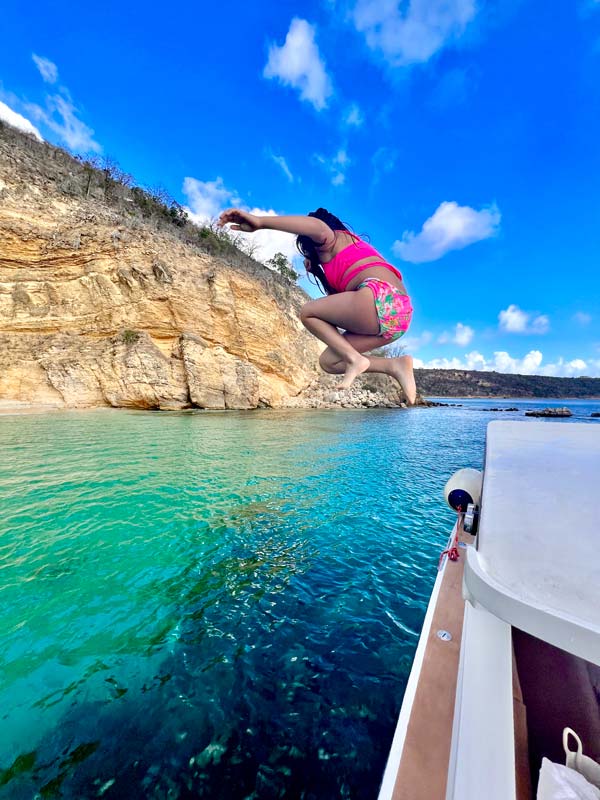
335,269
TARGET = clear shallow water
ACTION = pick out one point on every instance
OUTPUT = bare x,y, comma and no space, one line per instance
217,605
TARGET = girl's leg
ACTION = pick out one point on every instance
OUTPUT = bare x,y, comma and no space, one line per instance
400,368
349,310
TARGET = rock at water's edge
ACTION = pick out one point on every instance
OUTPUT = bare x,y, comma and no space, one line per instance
550,412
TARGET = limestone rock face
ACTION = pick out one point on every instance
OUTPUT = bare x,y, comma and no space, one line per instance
103,304
216,379
100,307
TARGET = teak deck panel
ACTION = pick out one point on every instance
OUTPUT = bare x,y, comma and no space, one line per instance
423,770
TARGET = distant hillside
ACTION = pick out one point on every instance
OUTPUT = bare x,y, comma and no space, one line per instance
463,383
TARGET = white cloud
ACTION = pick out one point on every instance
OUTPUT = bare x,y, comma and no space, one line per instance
48,70
573,368
207,199
60,115
540,324
530,364
451,227
298,63
582,317
354,116
411,32
413,343
515,320
18,121
336,166
462,335
282,163
473,360
267,243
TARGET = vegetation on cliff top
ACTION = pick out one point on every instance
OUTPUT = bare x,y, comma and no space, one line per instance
463,383
102,179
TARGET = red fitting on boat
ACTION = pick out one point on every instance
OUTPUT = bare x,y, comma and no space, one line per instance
452,550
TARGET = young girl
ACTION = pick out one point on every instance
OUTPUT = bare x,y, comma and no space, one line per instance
365,295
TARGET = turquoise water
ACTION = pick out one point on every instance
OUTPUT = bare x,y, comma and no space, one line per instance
217,605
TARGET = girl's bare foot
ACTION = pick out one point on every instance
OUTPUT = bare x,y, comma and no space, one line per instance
353,369
402,371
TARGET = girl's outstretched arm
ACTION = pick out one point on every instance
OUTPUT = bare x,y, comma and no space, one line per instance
317,230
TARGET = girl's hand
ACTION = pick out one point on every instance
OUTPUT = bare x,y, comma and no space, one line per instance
239,220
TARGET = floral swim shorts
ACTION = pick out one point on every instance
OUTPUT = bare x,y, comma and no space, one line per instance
394,308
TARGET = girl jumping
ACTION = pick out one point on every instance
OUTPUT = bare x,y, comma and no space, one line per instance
365,295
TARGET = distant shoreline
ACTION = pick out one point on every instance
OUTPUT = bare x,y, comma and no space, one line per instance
509,398
479,385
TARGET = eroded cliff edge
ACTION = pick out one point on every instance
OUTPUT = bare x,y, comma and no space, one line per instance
102,303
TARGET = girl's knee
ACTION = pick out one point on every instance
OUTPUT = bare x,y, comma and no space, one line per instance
306,311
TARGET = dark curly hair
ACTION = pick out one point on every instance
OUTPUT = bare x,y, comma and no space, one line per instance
308,248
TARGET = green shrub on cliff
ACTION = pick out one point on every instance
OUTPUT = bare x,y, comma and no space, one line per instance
130,337
158,203
281,264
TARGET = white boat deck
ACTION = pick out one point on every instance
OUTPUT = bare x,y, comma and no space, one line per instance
534,566
537,560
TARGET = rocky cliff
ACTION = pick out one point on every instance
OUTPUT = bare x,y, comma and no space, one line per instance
110,298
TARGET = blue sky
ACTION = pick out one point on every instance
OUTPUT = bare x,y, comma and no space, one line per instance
462,136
